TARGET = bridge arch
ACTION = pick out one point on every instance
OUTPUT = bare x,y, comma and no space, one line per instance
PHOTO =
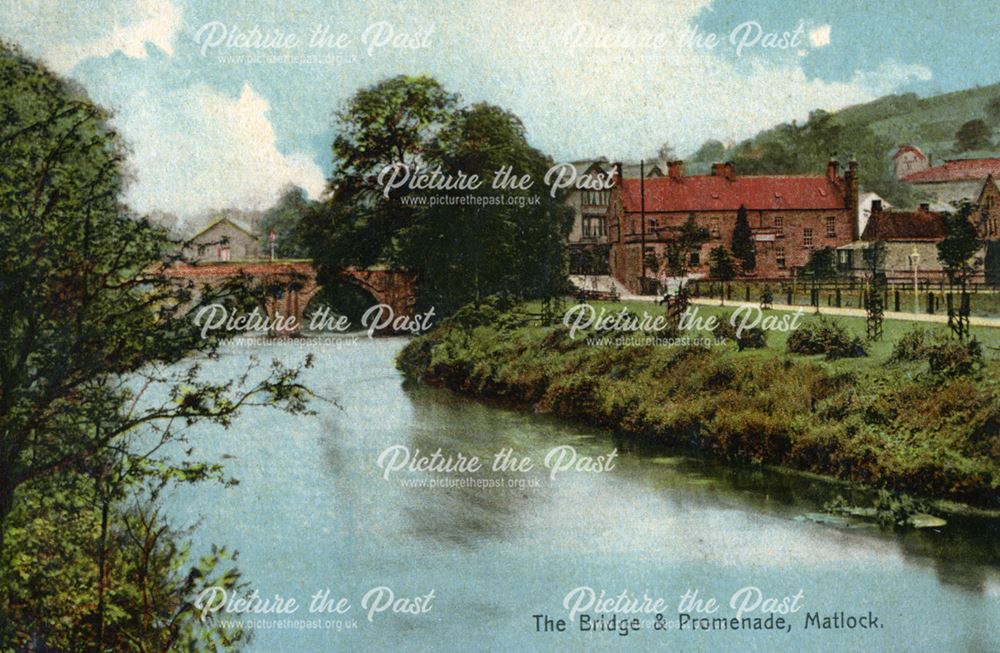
394,288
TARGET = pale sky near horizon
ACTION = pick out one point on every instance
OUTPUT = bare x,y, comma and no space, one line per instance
208,127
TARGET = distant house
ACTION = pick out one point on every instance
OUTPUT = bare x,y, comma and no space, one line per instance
908,160
223,240
910,238
789,216
865,202
588,238
955,180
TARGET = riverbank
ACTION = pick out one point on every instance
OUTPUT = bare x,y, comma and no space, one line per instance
881,421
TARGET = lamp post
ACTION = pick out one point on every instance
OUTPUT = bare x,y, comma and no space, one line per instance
914,262
271,237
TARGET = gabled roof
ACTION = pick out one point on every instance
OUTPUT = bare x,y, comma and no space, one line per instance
903,149
231,222
717,193
956,170
904,225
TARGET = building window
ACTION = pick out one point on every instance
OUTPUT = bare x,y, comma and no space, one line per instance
714,228
596,197
695,258
652,224
779,226
779,256
831,226
807,237
593,226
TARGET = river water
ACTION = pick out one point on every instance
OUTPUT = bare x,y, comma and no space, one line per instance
313,512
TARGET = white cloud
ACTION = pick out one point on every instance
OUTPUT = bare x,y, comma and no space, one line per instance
196,149
820,37
65,33
625,101
890,75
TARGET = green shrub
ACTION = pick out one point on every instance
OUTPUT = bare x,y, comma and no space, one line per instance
949,359
826,337
912,346
754,338
807,339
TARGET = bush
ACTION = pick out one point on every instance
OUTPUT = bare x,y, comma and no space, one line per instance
754,338
826,337
806,339
912,346
950,359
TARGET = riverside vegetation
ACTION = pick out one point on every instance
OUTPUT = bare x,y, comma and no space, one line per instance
917,413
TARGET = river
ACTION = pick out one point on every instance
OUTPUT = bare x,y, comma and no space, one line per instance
313,511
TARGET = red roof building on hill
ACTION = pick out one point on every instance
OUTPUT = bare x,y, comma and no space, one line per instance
956,170
909,159
789,216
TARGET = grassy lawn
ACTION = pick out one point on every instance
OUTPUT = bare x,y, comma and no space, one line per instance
879,351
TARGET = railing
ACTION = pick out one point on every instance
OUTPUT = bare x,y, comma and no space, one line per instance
931,297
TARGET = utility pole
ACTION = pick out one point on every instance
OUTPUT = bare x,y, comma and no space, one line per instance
642,227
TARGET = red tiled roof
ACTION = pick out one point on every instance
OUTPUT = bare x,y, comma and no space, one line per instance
717,193
908,148
957,170
904,225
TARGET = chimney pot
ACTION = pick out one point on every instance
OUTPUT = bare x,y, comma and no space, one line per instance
832,169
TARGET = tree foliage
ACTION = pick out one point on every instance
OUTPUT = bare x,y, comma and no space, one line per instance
794,148
463,244
822,264
285,219
743,246
685,243
973,135
722,265
89,324
960,244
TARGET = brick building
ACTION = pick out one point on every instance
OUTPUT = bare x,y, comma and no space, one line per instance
789,216
910,239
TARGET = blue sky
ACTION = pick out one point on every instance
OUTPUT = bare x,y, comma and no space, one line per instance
208,129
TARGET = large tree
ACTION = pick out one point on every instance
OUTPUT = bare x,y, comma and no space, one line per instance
960,245
722,267
284,219
87,322
973,135
685,242
463,244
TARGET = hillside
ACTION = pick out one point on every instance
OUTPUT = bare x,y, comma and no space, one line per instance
870,133
929,123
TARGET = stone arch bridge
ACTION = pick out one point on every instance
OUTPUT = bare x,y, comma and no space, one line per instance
391,287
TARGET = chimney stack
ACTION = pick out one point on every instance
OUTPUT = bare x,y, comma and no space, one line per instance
832,169
851,195
876,206
726,170
675,169
925,207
